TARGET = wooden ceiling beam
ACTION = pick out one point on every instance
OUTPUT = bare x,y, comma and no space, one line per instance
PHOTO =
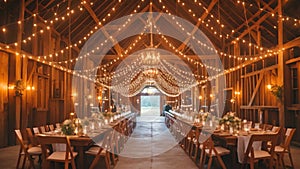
196,27
251,19
257,23
84,20
117,47
28,2
194,57
110,69
49,3
292,43
205,29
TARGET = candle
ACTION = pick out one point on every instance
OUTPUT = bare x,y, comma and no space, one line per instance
85,130
231,130
93,126
76,130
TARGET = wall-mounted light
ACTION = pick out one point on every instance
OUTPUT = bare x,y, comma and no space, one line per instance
74,94
11,87
99,97
30,88
269,86
200,97
237,93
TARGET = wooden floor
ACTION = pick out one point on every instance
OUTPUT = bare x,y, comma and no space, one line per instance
150,146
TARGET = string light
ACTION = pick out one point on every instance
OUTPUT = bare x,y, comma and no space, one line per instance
40,58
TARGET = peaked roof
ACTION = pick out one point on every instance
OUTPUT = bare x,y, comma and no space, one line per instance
251,24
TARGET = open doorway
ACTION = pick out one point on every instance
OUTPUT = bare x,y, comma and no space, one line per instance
150,105
150,102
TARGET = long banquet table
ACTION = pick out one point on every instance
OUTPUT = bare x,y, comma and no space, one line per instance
82,143
237,142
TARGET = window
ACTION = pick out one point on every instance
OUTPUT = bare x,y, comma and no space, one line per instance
295,91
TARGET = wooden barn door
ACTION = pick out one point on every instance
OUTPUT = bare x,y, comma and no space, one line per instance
3,99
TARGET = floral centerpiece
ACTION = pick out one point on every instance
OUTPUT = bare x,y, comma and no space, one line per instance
230,120
71,127
68,127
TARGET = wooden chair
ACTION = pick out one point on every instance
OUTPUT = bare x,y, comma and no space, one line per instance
252,156
258,126
208,149
27,151
31,137
101,150
195,146
47,128
36,130
188,141
51,127
284,147
57,125
42,129
275,129
267,127
66,157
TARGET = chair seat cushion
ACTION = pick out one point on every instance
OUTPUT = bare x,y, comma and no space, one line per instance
60,156
279,149
94,151
35,150
260,154
220,150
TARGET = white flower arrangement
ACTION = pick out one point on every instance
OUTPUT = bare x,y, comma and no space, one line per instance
68,127
230,119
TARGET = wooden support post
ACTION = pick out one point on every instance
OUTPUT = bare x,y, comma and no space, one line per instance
281,63
18,66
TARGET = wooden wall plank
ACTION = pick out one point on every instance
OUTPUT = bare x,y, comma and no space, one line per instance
3,99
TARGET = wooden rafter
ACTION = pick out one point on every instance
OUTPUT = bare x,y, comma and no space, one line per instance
251,19
77,26
261,19
110,69
117,47
28,2
49,3
203,17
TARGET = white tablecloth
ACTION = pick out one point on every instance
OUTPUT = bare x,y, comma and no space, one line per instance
242,145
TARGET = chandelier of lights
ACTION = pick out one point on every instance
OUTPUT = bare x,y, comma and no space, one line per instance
150,58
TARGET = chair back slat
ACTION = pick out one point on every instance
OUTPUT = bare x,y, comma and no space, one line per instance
19,135
288,137
275,128
264,138
20,139
267,127
51,127
42,129
36,130
31,137
58,125
47,128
